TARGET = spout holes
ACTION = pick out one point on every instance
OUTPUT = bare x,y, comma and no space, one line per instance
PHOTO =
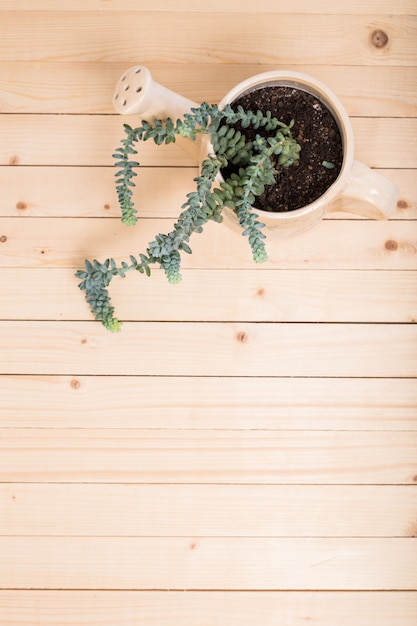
138,89
124,102
138,71
123,78
116,96
127,87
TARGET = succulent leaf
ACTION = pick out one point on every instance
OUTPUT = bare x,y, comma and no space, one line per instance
204,203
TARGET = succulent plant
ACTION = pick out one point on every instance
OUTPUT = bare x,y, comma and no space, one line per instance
253,164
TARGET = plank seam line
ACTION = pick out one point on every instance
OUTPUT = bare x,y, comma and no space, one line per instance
216,590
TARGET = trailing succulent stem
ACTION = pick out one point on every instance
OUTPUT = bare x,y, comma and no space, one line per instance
255,170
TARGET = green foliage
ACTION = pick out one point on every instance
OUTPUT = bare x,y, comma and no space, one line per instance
238,192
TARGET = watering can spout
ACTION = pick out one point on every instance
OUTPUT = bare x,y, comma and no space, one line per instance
136,93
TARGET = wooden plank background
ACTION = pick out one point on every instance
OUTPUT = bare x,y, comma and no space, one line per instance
245,451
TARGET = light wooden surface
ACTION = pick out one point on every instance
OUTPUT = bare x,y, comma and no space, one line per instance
245,451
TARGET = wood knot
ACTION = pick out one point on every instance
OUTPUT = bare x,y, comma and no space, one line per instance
261,292
3,239
391,245
193,546
75,384
379,38
107,207
14,160
242,337
414,479
402,204
21,206
83,341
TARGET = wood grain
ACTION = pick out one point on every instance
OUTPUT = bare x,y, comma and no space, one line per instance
350,404
87,140
48,191
244,452
269,296
184,38
330,245
402,7
88,608
72,191
222,511
208,563
87,87
187,349
247,457
32,139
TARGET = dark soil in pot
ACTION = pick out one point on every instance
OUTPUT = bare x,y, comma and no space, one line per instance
317,132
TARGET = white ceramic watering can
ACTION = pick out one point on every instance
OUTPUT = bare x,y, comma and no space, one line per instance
358,189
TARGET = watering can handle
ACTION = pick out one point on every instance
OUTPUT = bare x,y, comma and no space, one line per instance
367,193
